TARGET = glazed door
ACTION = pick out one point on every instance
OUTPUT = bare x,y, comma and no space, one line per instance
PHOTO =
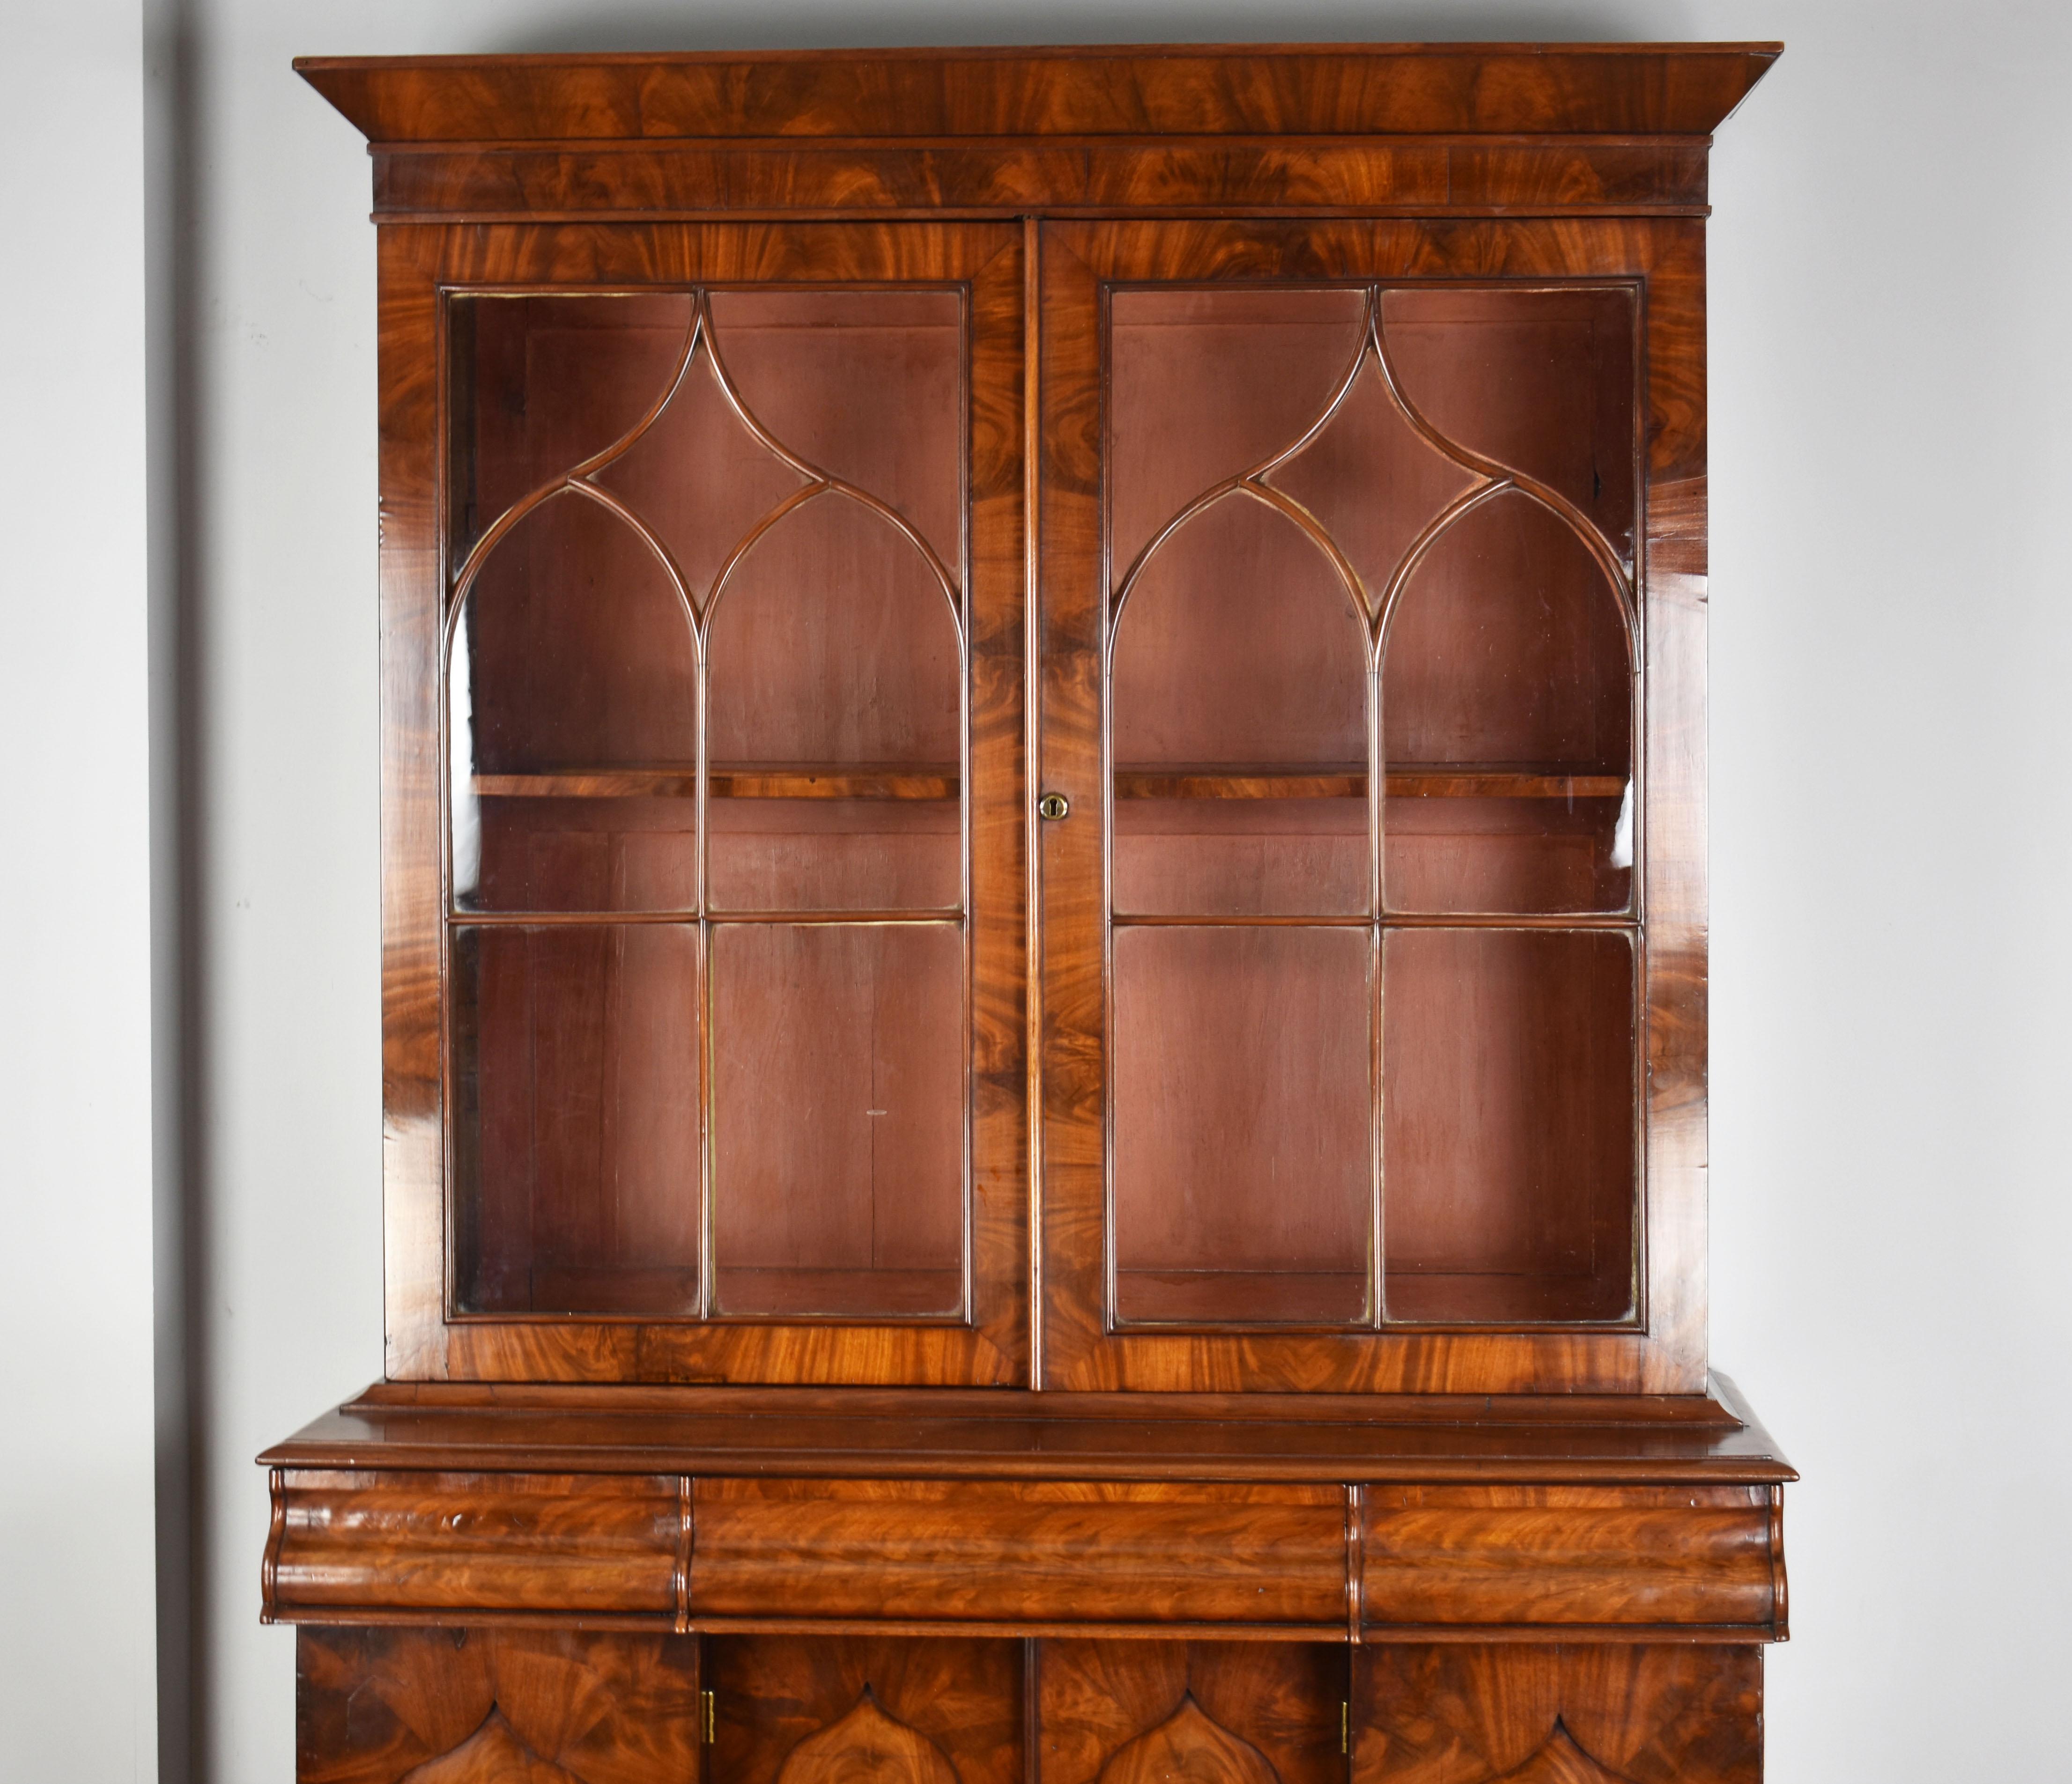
1369,882
717,648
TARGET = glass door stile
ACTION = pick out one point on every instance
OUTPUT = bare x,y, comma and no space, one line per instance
1547,929
858,871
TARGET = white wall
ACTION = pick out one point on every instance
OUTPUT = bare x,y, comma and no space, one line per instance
77,1440
1891,257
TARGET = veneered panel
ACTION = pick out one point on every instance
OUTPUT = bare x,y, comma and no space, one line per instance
942,1551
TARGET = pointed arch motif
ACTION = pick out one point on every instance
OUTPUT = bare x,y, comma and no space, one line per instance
1560,1759
1489,477
868,1745
1188,1747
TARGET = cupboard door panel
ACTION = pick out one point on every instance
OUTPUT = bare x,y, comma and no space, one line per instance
727,589
834,1710
1210,1712
1341,522
378,1706
1456,1714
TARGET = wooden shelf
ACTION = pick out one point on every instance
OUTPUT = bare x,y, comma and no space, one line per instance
729,780
1348,780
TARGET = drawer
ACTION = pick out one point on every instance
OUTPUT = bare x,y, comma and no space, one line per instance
1566,1556
371,1543
1042,1552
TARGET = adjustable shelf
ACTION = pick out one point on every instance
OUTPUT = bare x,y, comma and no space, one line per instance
1348,780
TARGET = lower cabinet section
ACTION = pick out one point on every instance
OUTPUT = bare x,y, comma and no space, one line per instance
509,1706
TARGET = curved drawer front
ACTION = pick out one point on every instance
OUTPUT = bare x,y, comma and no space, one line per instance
1329,1562
1037,1551
539,1545
1562,1557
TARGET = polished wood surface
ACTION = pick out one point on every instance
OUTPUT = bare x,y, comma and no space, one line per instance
1551,1555
945,1434
1655,1292
1285,1362
801,1711
1017,1552
425,1336
1610,1714
1209,1712
1264,89
467,1706
1409,176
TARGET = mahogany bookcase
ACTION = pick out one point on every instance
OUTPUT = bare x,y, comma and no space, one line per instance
1044,931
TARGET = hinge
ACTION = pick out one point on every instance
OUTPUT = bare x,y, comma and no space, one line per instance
709,1704
1345,1726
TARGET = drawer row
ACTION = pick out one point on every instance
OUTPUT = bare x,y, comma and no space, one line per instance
1314,1562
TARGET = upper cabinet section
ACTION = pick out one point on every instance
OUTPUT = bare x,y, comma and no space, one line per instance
1043,715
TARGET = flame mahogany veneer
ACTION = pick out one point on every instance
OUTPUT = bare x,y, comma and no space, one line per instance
1457,1543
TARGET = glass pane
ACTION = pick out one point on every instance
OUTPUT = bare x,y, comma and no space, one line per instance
1508,1133
1506,712
834,685
865,386
575,1119
1239,690
1244,1150
572,721
699,478
838,1118
1206,385
1541,381
542,385
1372,479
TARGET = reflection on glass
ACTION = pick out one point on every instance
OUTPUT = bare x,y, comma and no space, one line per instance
1506,703
1508,1090
1370,553
707,660
575,1119
572,723
838,1134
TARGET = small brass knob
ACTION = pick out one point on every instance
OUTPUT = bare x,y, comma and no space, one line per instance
1053,806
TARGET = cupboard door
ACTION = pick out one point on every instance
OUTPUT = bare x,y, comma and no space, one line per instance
722,659
1347,928
1218,1712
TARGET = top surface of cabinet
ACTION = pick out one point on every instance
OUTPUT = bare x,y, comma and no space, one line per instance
1041,742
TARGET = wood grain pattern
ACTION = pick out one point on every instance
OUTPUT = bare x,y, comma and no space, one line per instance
1561,1715
1517,1555
1665,1350
1402,176
520,1707
1208,1712
1249,90
948,1433
424,1340
839,1710
411,1544
1049,1553
867,1743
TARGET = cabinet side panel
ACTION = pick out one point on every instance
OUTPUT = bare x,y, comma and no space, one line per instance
412,1163
1673,816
